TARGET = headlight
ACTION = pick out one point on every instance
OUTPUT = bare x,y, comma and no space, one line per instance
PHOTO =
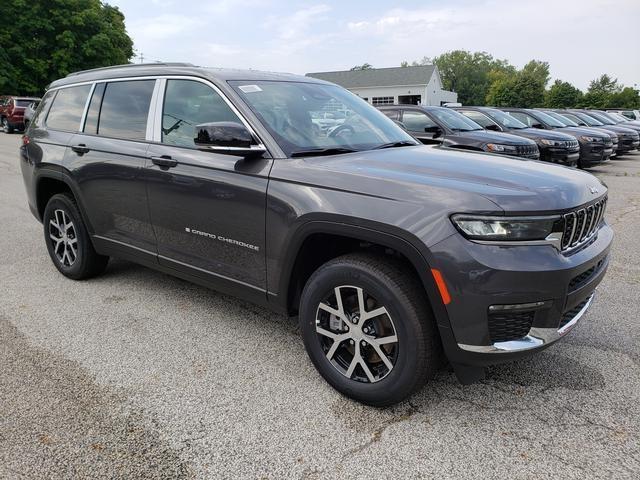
552,143
496,147
477,227
586,138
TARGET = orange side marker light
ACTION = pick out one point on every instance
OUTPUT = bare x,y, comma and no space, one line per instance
442,286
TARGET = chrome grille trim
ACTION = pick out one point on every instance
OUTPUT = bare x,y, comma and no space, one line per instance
583,223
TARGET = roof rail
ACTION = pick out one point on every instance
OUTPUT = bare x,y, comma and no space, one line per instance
134,65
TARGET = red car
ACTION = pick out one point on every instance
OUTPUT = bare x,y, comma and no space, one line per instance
12,112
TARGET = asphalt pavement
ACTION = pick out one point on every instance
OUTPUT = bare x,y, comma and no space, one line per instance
137,374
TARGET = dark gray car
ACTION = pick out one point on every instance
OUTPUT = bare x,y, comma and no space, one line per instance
555,147
446,127
387,251
628,138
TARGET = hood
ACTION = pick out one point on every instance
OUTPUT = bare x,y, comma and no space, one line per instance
487,136
537,133
619,130
453,178
579,131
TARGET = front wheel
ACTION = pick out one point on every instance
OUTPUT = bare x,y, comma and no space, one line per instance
68,241
368,328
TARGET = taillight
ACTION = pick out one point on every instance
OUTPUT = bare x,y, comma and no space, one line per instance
25,140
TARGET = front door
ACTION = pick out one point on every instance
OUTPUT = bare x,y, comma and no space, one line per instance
421,126
207,209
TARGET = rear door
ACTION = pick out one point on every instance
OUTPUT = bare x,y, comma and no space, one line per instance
107,160
207,209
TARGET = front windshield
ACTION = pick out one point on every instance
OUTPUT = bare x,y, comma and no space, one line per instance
549,120
602,118
306,117
454,120
507,121
563,120
592,122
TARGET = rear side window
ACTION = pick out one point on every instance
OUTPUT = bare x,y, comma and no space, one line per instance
23,103
188,103
68,106
43,107
125,107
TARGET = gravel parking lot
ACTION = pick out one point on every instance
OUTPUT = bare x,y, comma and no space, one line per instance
140,375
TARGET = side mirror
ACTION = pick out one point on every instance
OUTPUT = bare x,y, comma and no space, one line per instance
537,125
230,138
493,127
436,130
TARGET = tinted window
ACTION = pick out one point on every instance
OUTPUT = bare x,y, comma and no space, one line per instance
67,108
528,120
392,114
503,119
188,103
125,107
416,121
454,120
44,104
478,117
23,103
91,122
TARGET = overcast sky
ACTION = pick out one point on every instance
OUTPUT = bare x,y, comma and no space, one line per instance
581,39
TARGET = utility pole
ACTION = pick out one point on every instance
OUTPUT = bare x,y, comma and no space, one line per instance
141,57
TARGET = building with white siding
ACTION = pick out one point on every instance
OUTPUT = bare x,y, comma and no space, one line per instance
396,85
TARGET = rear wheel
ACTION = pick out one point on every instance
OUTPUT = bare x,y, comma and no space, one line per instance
368,329
68,241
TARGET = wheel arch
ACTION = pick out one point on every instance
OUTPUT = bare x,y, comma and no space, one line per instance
299,265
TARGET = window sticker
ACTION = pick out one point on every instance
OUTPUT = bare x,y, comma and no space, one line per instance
250,88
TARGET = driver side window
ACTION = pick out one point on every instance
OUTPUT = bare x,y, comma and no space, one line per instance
416,121
528,120
188,103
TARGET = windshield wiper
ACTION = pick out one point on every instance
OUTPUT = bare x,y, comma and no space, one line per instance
317,152
401,143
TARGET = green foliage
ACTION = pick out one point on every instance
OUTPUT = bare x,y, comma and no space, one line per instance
523,88
42,40
364,66
469,74
626,98
562,95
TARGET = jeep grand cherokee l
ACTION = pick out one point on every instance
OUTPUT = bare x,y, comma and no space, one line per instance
446,127
628,139
389,252
593,150
555,147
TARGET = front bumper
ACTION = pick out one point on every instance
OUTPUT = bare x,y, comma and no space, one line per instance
552,289
594,153
626,144
560,155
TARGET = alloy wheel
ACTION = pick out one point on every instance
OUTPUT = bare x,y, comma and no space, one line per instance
357,334
62,233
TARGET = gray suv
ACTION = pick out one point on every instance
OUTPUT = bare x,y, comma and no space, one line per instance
389,253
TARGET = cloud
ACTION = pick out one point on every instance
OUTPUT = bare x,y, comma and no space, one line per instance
162,26
300,22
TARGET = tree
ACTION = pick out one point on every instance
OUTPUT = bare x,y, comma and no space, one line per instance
626,98
45,40
364,66
468,74
600,91
562,95
524,88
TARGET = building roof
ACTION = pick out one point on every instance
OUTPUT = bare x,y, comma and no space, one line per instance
378,77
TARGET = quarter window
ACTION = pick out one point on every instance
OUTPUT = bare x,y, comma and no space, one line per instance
188,103
39,116
125,108
67,108
416,121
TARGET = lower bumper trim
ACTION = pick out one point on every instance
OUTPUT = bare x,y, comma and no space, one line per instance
536,338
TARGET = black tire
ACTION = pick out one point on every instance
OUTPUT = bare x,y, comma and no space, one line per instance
391,284
87,263
6,128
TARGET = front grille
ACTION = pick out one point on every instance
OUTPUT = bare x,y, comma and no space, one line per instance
582,279
582,224
504,327
570,144
526,150
570,314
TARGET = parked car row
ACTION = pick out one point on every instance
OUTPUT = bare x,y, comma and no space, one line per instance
555,136
16,112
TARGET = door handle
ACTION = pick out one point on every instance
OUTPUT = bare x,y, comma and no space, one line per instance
80,149
164,161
